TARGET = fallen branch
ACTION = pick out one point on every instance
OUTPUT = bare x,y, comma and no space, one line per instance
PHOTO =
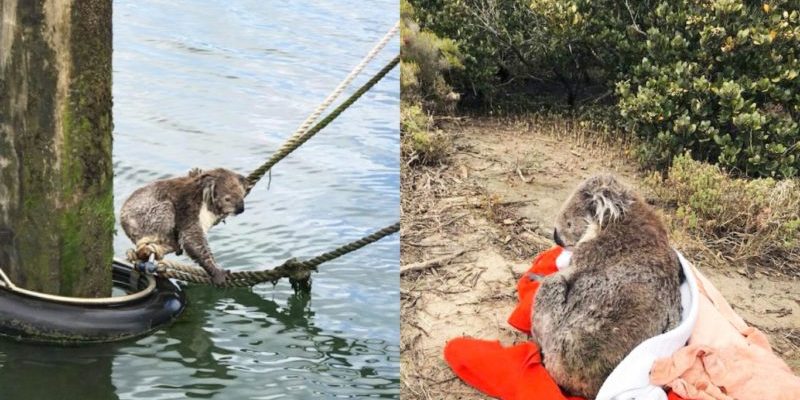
428,264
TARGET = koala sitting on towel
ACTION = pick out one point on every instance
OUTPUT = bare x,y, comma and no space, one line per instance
620,288
177,213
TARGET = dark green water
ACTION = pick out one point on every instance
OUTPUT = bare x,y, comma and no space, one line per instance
222,83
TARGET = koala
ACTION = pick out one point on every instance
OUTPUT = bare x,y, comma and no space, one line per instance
620,288
177,213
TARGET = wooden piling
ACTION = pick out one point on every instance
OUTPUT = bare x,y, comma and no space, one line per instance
56,173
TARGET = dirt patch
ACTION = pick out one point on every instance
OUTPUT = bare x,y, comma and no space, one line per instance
485,215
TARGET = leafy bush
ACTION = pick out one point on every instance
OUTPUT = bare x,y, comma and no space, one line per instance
425,58
561,47
742,219
420,142
719,78
716,77
489,37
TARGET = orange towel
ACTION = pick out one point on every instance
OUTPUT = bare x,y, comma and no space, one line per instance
516,372
508,373
543,264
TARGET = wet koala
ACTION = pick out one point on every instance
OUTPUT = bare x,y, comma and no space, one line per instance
177,213
620,288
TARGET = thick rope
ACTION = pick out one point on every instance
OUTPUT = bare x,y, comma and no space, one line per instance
304,127
301,137
348,79
292,269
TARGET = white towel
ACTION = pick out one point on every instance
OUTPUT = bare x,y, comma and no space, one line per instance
630,380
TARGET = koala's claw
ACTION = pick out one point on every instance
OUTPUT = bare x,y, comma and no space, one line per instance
535,277
219,276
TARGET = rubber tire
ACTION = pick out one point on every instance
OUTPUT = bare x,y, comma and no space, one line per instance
30,319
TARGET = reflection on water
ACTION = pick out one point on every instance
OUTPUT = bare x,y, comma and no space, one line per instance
39,372
223,84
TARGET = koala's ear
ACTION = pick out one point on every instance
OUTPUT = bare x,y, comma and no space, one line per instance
607,198
194,172
209,183
243,180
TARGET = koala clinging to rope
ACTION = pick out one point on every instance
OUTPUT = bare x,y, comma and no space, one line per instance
177,213
620,288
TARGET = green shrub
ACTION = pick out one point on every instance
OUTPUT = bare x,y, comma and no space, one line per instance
425,59
485,55
742,219
716,77
720,79
539,47
420,142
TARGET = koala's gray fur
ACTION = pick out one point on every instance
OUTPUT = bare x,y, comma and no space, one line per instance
177,213
621,287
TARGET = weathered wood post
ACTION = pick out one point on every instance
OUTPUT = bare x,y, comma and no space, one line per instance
56,193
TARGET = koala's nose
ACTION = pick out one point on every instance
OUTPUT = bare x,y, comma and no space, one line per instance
240,207
557,238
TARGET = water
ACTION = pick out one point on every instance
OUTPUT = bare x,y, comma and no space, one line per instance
222,84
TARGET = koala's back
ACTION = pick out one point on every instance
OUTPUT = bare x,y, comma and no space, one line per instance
151,211
620,289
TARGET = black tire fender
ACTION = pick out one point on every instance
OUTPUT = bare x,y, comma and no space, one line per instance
31,319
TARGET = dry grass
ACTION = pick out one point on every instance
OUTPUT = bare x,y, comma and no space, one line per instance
421,142
736,223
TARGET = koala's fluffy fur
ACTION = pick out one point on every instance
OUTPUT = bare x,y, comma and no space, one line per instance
177,213
621,287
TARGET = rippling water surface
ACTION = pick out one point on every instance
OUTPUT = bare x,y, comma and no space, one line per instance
222,83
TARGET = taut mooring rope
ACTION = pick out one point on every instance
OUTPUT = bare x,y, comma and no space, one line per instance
289,269
301,137
348,79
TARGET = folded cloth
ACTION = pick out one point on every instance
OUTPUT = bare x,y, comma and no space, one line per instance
725,358
516,372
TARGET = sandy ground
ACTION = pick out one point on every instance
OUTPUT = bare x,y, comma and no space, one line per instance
472,226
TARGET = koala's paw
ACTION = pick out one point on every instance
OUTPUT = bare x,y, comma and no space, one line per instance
219,276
